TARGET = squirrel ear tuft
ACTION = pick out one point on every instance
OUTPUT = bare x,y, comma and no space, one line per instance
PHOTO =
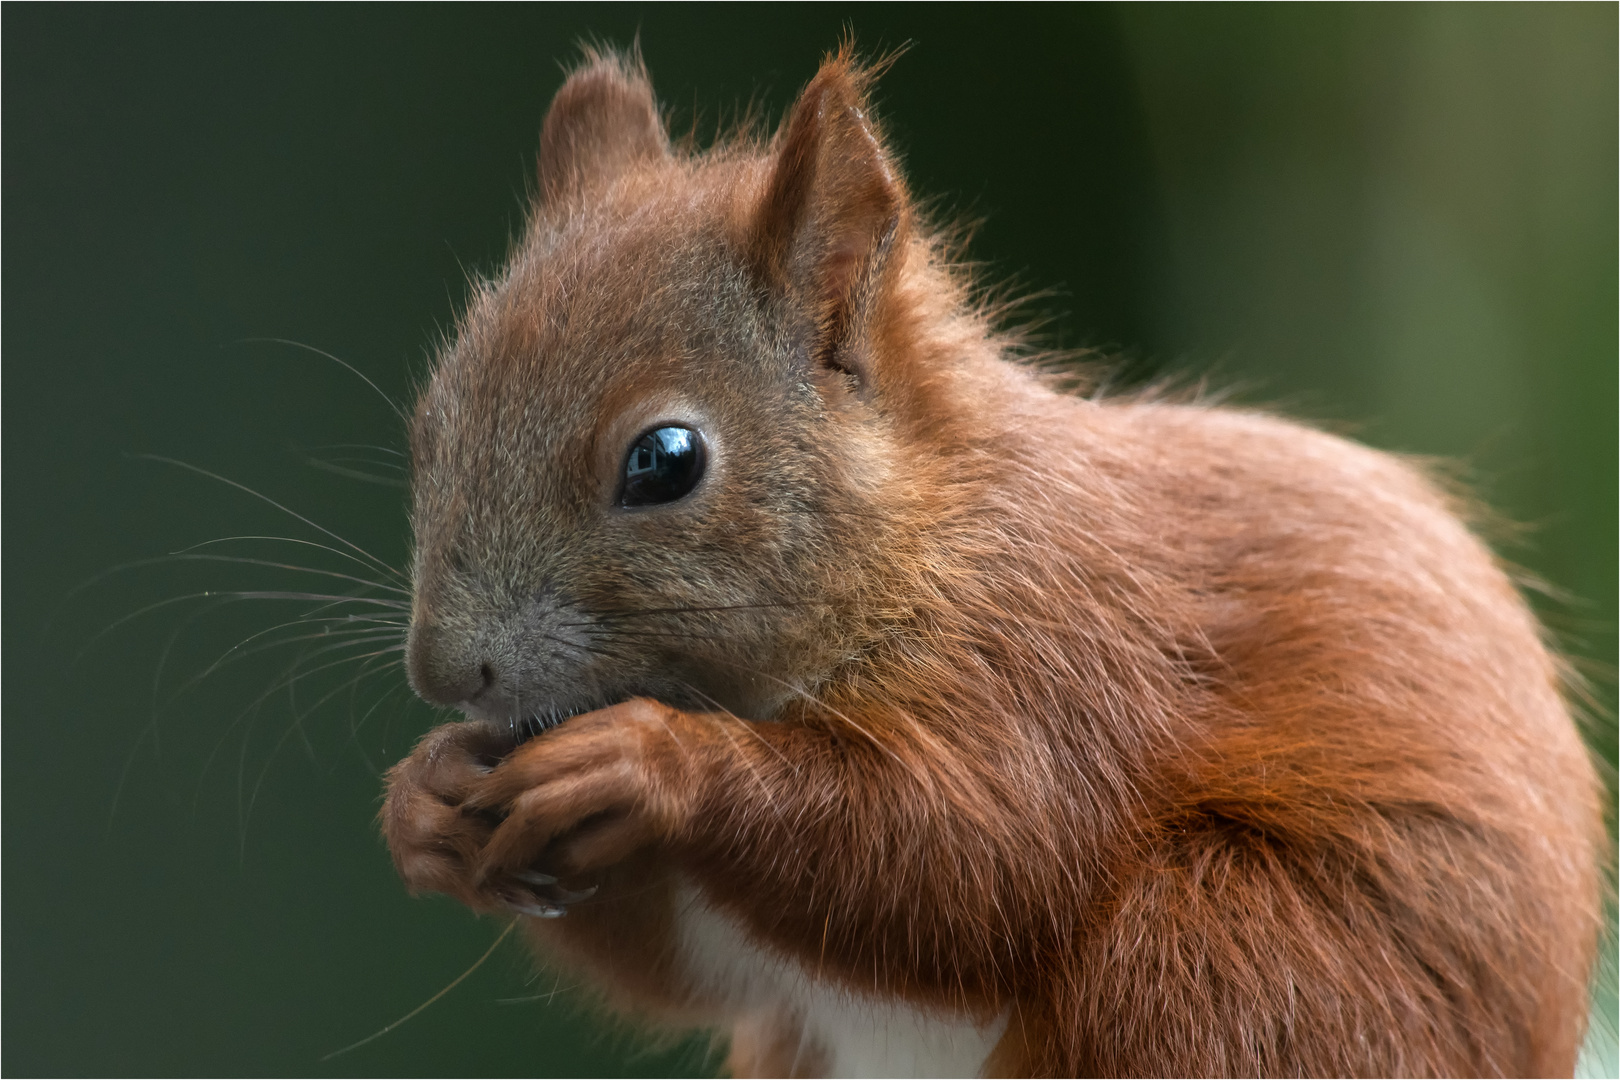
832,208
602,122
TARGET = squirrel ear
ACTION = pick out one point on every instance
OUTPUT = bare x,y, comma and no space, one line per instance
602,122
832,208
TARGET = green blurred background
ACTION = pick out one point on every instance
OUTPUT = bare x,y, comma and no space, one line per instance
1398,220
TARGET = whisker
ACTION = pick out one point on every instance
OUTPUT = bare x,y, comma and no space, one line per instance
236,652
287,594
150,730
392,404
182,556
291,674
244,560
359,635
286,540
355,459
356,474
367,625
297,724
362,446
642,612
286,510
635,635
227,597
244,811
395,616
696,609
386,1028
168,646
356,724
565,643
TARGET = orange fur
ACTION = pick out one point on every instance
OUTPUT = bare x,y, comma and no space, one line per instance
1188,739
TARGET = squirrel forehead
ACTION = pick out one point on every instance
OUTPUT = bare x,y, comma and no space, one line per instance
636,298
648,269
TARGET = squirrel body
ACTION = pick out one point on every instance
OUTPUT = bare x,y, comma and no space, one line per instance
948,722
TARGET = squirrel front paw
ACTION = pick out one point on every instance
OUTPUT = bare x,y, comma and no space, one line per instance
436,839
588,793
495,827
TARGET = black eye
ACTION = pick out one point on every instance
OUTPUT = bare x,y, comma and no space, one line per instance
663,465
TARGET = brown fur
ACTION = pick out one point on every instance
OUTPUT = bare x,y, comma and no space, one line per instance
1193,740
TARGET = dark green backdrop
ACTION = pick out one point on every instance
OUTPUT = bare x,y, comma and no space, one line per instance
1401,219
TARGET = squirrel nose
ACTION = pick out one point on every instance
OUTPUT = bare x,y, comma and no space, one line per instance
441,673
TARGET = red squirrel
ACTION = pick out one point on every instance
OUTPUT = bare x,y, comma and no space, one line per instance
837,681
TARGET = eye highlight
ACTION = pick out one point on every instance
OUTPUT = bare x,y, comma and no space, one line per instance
663,465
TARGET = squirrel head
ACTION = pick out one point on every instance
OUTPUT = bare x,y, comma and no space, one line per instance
659,456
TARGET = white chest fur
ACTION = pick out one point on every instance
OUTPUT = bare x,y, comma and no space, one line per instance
848,1034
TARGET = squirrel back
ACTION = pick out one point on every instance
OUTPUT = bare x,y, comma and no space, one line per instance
1144,736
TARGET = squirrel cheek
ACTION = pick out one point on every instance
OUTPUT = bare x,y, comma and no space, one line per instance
868,457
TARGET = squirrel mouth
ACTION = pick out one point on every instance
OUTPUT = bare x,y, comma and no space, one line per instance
527,727
520,729
512,730
537,723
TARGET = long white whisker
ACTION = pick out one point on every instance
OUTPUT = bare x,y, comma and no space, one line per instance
361,446
356,474
392,404
182,556
292,674
227,597
356,724
237,652
296,724
378,563
290,540
293,594
356,459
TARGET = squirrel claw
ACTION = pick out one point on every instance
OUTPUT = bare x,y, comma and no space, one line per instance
537,909
569,896
534,877
545,885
